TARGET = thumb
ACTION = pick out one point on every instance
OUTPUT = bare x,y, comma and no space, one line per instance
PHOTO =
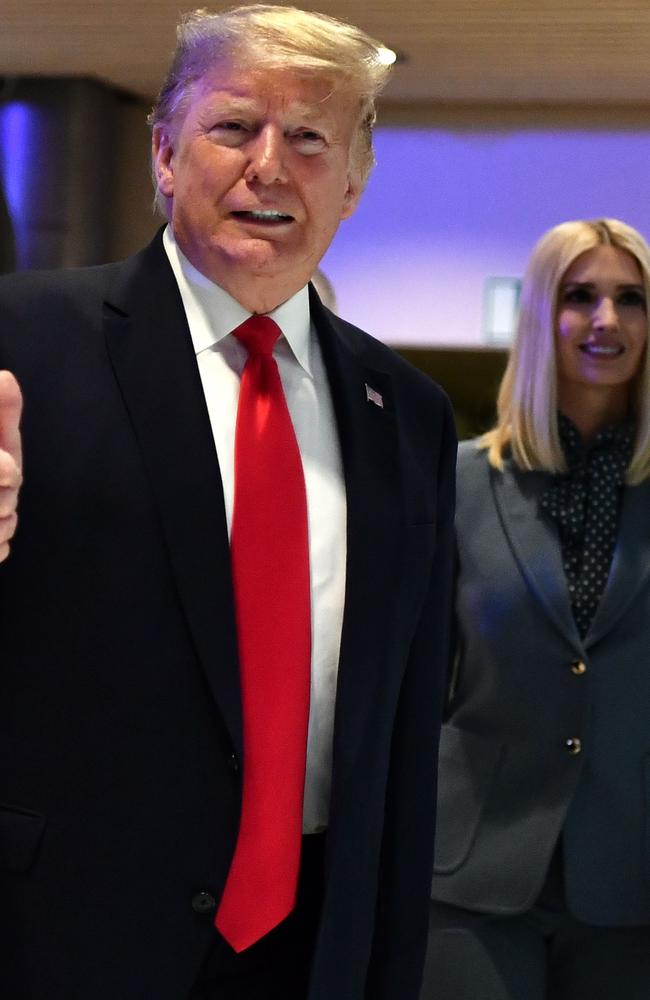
11,405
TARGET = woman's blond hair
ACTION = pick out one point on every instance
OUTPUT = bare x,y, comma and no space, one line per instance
526,424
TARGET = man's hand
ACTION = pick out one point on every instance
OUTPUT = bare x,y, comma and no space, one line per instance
11,404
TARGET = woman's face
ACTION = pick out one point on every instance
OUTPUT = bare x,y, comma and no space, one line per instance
601,323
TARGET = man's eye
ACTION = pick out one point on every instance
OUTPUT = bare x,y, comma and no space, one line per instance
229,132
308,141
229,126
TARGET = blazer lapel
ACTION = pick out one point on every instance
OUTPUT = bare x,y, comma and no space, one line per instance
630,567
153,358
534,542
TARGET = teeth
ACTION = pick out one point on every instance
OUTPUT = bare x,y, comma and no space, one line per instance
601,349
267,214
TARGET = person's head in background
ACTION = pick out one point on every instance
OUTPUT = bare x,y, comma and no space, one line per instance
325,289
262,143
580,346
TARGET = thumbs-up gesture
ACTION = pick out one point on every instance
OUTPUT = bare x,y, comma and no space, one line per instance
11,404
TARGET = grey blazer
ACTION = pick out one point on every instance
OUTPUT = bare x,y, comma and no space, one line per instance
546,735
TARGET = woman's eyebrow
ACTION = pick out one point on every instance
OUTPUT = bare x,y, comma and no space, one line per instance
591,284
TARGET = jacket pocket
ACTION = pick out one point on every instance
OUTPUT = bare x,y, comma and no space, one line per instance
20,835
467,765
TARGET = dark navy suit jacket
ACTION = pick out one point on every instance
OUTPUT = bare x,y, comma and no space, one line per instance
120,717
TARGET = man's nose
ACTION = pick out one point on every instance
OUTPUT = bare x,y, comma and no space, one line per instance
267,156
605,316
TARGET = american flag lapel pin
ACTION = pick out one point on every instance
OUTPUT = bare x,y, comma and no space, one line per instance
372,396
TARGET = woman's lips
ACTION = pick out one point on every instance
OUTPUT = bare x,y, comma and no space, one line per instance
602,351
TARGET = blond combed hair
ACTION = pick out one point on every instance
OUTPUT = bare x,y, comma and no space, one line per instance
272,37
526,424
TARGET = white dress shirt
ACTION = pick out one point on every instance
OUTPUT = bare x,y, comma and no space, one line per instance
212,314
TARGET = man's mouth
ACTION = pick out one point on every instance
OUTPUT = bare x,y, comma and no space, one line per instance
263,216
603,351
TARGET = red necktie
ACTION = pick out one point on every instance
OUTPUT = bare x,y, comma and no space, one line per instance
270,566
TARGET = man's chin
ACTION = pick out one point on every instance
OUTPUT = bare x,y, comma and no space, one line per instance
263,258
259,277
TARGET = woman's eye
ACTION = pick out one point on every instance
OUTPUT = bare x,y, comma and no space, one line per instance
578,295
632,298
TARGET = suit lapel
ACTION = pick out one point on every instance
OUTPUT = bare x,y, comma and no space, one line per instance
152,355
534,542
369,448
630,567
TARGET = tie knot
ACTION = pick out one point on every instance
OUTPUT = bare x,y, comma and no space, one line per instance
258,334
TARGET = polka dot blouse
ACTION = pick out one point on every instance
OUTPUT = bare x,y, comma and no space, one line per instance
585,502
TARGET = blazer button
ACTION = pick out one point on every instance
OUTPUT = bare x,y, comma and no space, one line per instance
574,745
233,762
578,668
203,902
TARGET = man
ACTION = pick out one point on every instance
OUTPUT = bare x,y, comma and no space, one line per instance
184,634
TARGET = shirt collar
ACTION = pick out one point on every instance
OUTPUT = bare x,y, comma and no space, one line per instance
615,439
212,313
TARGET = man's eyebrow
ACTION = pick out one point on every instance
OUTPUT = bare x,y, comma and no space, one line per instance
228,104
311,111
220,105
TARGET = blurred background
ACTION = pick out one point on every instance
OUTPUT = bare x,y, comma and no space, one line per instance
503,118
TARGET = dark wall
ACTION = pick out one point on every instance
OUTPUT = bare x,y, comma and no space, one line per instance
470,377
7,243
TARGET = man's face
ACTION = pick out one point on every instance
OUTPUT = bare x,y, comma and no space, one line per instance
258,177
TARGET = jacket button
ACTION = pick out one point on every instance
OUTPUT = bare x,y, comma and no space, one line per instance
203,902
578,667
573,745
233,762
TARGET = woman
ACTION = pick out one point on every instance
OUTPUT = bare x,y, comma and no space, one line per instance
542,878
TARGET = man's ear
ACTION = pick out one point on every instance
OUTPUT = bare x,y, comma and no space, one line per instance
162,155
352,194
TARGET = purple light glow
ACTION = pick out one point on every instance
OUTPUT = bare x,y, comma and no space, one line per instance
17,122
445,209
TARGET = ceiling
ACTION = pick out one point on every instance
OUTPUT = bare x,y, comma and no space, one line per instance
487,51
